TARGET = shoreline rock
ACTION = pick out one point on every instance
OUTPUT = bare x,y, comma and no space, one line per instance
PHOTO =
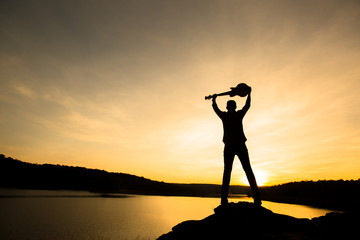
244,220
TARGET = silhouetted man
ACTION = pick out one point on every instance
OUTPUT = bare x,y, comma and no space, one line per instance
234,140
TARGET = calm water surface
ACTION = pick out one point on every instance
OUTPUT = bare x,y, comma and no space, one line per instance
82,215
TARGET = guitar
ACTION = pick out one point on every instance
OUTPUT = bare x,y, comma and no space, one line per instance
241,90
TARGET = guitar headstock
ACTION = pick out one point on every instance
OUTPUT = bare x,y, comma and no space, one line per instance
209,97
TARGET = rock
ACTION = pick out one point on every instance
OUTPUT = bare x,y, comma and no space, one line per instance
245,220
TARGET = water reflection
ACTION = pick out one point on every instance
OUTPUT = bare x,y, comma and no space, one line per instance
294,210
89,217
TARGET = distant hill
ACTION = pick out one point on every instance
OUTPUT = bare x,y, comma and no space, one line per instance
18,174
340,194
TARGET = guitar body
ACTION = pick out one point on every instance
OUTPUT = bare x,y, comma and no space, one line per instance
241,90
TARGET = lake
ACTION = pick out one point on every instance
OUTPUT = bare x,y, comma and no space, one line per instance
69,215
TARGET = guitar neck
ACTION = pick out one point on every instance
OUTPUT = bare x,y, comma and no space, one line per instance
240,90
219,94
224,93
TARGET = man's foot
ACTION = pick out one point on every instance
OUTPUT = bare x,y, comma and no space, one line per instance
257,202
224,201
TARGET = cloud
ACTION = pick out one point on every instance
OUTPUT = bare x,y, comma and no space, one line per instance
133,76
25,91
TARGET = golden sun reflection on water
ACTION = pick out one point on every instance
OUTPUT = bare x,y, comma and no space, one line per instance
294,210
127,216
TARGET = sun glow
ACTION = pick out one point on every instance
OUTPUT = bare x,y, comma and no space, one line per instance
261,178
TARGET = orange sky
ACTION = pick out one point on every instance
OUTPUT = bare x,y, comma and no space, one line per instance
120,86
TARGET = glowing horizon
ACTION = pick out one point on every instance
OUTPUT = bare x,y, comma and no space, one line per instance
120,86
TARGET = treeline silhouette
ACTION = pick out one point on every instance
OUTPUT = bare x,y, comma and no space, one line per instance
17,174
340,194
331,194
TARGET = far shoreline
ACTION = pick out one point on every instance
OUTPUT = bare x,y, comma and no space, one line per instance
327,194
92,194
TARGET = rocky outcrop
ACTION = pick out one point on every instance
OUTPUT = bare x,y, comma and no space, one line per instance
245,220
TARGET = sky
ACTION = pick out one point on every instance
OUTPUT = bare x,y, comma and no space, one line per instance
120,86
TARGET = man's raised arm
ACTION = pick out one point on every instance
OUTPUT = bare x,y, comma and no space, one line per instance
248,102
215,106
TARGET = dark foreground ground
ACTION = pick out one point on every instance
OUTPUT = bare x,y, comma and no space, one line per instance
244,220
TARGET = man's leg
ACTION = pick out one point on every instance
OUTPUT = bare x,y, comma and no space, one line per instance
245,162
229,155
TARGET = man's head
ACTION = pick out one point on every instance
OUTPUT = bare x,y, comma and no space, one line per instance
231,105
